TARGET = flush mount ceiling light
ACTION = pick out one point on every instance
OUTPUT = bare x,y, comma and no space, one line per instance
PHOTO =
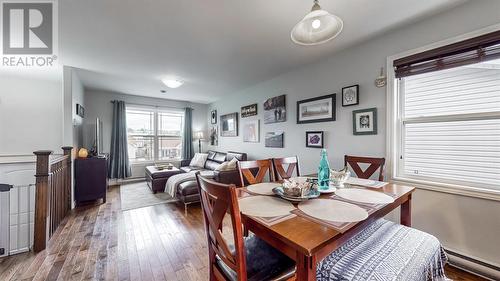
172,83
317,27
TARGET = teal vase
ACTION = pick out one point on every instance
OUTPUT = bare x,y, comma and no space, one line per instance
323,171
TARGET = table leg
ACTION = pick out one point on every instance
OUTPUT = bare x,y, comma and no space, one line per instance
306,268
406,212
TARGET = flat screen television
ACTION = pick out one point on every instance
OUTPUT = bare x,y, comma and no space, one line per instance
98,137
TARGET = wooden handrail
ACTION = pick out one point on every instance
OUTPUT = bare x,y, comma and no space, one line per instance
52,194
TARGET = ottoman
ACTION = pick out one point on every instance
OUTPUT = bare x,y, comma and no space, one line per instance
157,179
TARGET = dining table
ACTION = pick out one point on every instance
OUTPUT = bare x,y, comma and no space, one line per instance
308,241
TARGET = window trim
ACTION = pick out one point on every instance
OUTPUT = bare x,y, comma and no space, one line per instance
394,126
156,137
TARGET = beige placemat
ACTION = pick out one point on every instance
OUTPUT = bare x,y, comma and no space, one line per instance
265,206
333,210
366,182
265,188
364,196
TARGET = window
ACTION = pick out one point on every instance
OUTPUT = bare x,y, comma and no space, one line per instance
449,124
154,133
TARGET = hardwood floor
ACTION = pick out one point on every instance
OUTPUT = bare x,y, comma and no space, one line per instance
103,243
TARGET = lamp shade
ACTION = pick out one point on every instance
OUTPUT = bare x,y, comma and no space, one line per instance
317,27
83,153
199,135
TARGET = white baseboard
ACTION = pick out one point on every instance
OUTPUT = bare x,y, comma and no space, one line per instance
474,265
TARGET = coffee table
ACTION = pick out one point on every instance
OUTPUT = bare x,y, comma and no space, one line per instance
157,179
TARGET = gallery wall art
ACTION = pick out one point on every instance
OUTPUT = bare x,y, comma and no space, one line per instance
229,125
318,109
275,110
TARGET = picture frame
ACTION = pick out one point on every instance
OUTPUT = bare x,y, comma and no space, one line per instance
275,139
213,116
249,110
213,136
275,109
229,125
350,95
251,131
317,109
364,121
80,111
315,139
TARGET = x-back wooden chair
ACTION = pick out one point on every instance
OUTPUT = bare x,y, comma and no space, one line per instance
247,169
375,164
279,167
249,259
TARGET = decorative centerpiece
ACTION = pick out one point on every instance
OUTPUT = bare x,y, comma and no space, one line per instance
323,171
161,167
338,178
297,189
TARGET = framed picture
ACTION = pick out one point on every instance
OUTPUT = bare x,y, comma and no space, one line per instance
314,139
364,121
251,131
80,111
275,139
350,95
275,110
249,110
229,125
213,116
318,109
214,136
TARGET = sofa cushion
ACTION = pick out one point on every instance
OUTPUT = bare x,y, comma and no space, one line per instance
240,156
211,165
198,160
188,188
211,154
189,169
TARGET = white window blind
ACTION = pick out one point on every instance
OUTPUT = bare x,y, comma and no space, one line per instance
451,126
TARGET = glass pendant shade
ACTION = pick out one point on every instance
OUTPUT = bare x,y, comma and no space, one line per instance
317,27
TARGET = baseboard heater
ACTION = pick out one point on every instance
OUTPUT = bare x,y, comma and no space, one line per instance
474,265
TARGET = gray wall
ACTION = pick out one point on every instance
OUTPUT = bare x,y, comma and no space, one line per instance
457,220
30,115
98,104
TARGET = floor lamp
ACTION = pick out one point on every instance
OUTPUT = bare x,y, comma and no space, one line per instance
199,136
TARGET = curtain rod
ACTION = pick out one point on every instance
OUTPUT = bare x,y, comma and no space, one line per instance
155,106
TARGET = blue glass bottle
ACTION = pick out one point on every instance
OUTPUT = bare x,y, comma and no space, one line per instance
323,171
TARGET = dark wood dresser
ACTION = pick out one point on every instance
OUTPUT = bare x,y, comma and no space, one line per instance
91,179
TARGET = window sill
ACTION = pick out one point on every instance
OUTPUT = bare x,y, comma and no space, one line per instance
152,162
450,188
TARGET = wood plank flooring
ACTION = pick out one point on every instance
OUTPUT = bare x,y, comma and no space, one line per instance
101,242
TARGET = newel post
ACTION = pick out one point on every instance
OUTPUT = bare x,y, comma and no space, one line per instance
41,199
68,176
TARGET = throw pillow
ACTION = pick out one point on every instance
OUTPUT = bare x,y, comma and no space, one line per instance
222,167
198,160
232,164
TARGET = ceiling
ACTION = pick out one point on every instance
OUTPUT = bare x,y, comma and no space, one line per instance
217,46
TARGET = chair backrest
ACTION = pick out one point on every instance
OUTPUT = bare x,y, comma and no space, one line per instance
293,165
217,199
262,167
375,164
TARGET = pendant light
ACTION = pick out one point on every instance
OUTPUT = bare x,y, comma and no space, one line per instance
317,27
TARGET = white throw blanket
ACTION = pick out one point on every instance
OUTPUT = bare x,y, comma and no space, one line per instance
174,181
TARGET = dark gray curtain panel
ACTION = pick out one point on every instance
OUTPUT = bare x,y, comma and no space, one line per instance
187,140
119,166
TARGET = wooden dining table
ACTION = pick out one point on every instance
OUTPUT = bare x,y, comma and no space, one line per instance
308,242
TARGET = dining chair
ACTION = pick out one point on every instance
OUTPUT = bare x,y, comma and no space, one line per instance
375,164
255,171
293,165
249,258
